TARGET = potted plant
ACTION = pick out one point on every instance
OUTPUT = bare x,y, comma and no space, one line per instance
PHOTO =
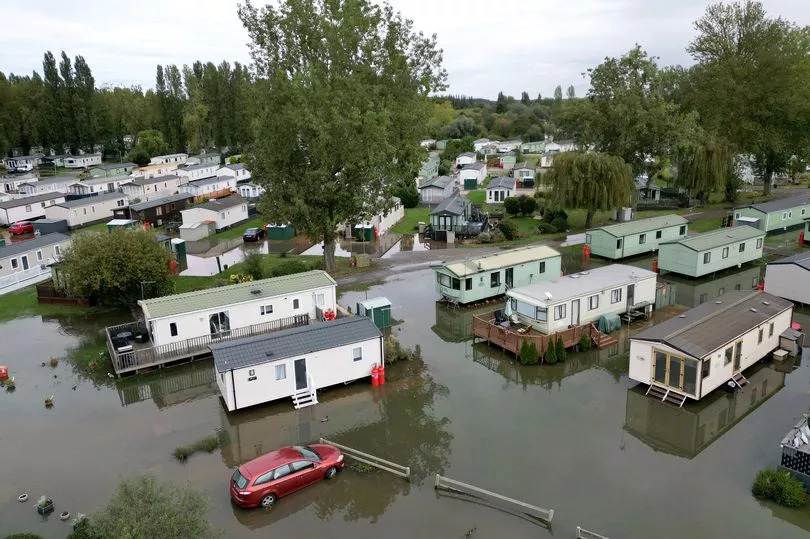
44,505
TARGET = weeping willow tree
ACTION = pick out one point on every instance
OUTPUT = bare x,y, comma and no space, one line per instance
704,166
592,181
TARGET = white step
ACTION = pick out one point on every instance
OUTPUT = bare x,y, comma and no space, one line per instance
304,398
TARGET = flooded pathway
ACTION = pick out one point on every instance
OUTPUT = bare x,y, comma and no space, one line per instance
575,436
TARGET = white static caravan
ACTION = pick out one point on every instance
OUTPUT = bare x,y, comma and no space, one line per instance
155,171
27,208
789,278
197,172
225,212
11,184
212,185
85,211
581,298
102,184
175,318
690,355
173,158
145,188
24,263
57,184
237,170
82,161
296,362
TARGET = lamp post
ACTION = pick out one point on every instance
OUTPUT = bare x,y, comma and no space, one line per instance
143,283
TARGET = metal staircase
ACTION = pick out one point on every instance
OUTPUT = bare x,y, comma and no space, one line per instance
739,380
666,395
307,396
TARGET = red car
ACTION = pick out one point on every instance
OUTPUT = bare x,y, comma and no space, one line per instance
262,481
21,227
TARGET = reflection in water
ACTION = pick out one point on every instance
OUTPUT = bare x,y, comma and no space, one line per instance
349,247
395,423
799,517
171,386
455,324
416,243
693,292
687,431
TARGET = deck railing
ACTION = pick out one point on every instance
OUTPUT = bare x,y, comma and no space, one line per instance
485,327
140,358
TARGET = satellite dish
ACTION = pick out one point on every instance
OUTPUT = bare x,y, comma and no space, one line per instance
548,295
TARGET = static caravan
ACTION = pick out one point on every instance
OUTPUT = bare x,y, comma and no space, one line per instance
155,171
205,159
27,262
176,318
435,190
147,188
28,208
525,175
210,187
250,191
713,251
430,167
155,211
117,169
692,354
24,162
296,362
691,292
582,298
380,223
465,159
532,147
499,189
169,159
198,172
237,170
452,214
507,161
82,161
11,184
85,211
779,214
635,237
483,277
789,278
101,184
225,212
57,184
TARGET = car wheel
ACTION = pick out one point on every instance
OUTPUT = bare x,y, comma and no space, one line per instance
331,472
269,500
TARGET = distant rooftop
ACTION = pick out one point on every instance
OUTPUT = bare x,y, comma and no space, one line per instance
620,230
502,182
455,204
780,204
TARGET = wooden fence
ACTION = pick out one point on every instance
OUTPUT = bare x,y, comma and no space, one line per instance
538,513
142,358
387,465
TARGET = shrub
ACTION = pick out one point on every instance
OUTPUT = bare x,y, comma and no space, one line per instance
511,205
485,237
546,228
239,278
560,224
23,536
551,353
528,353
549,214
183,452
779,486
584,342
528,205
396,352
562,355
253,265
508,229
288,267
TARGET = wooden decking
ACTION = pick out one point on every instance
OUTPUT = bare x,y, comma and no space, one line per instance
484,327
144,356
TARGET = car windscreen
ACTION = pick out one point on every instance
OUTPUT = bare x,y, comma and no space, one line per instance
240,480
307,452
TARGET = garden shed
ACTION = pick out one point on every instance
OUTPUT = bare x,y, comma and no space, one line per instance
378,309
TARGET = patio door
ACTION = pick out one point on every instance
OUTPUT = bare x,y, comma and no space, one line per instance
575,312
676,372
300,366
24,261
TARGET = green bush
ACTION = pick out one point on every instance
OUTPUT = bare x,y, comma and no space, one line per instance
508,229
253,265
485,237
560,224
511,205
528,205
183,452
23,536
288,267
551,353
584,342
528,353
546,228
779,486
549,214
562,355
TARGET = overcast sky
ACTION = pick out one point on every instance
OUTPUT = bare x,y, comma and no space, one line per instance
509,45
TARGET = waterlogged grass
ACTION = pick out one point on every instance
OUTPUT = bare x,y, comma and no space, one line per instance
409,224
238,230
92,360
23,303
209,444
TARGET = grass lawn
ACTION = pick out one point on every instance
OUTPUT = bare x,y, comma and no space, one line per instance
705,225
409,223
98,227
238,230
23,303
477,197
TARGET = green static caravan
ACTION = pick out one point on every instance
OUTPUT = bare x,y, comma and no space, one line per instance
713,251
635,237
476,279
775,215
115,169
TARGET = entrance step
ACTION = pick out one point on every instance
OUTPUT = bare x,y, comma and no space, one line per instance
603,340
666,395
739,380
304,398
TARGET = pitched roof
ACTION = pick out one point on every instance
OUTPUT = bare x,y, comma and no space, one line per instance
149,181
441,182
208,180
55,180
511,257
155,202
524,165
508,154
235,166
503,182
222,203
86,201
128,164
468,154
718,238
24,201
18,247
580,284
642,225
200,165
801,260
480,140
232,294
780,204
707,327
473,166
454,204
105,179
295,342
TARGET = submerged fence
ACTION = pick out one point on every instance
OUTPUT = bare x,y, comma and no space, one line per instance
544,515
387,465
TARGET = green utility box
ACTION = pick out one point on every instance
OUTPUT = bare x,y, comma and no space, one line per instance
117,224
179,249
280,232
364,232
470,184
378,309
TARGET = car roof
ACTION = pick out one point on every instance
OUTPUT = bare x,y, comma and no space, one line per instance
271,460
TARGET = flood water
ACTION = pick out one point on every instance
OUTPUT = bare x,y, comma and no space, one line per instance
575,437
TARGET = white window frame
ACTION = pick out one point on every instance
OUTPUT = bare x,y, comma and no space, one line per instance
266,309
357,353
759,243
725,252
642,239
707,257
616,295
280,371
593,305
559,312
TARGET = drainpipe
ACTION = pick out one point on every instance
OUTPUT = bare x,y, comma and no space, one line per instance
233,389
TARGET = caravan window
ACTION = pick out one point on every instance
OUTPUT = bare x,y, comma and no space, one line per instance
559,312
495,279
616,295
543,266
619,243
742,247
759,243
443,279
725,252
658,234
707,257
456,284
593,302
682,230
541,314
770,330
642,239
468,283
219,324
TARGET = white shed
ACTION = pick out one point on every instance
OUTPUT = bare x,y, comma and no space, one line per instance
27,208
789,278
465,159
499,189
84,211
473,171
225,212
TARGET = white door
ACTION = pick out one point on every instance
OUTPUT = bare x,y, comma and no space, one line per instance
575,312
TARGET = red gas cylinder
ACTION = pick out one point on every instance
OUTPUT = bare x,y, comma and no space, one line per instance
801,238
586,250
376,233
761,287
173,267
381,373
655,265
3,372
375,376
